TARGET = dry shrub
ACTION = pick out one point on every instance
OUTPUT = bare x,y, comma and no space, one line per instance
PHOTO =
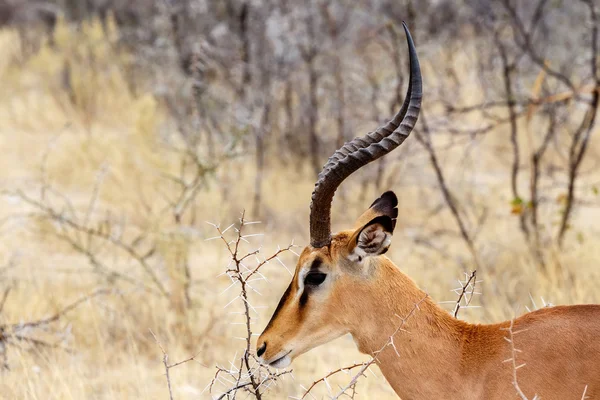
73,112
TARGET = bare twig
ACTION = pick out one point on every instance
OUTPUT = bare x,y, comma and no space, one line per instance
425,139
334,372
101,232
582,135
168,366
13,333
536,158
165,361
466,291
250,375
527,45
4,297
59,314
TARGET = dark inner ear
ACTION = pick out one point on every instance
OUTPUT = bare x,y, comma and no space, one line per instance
386,222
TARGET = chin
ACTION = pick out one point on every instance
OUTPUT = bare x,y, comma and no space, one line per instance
282,362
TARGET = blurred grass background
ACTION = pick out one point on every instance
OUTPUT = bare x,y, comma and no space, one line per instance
112,165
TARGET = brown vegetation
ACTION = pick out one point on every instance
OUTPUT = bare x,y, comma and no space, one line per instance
126,126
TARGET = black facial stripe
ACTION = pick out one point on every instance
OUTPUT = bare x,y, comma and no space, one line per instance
314,267
280,305
303,298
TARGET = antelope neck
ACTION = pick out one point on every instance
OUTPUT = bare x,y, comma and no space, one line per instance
424,361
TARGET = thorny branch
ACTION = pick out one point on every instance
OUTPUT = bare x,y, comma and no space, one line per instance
250,375
271,377
466,292
334,372
513,359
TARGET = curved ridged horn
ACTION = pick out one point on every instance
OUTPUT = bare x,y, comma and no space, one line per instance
362,150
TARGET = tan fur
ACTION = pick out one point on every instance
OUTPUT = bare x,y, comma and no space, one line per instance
440,357
365,218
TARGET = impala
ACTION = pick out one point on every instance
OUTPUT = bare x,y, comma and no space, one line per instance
344,283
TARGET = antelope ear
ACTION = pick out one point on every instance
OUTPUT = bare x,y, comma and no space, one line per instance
373,239
385,205
374,228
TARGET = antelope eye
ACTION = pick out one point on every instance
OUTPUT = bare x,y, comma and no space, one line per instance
314,278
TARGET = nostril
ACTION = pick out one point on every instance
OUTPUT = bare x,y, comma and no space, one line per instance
261,350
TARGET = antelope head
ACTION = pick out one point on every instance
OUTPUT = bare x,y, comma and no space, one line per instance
335,269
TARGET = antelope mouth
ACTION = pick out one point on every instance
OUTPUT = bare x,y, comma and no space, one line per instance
282,362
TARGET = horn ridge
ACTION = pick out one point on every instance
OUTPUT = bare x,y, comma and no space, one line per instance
362,150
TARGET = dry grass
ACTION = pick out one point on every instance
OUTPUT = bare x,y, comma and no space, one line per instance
70,135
